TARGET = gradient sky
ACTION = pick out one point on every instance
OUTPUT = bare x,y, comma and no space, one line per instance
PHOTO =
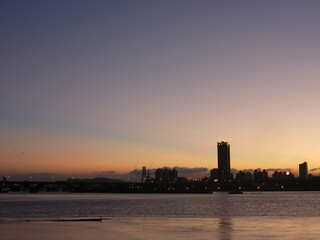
89,86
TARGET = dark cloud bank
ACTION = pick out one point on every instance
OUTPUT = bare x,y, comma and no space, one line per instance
181,170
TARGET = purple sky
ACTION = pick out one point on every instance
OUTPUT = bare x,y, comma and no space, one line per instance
90,86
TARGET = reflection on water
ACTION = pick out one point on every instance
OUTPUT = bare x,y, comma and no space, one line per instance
225,228
249,228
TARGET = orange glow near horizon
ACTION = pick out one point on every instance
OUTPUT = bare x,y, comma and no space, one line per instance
69,154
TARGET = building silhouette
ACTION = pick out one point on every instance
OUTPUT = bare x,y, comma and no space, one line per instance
224,161
143,174
166,175
243,176
282,175
249,176
214,174
260,175
303,170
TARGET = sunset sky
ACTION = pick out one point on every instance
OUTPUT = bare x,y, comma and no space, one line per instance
101,86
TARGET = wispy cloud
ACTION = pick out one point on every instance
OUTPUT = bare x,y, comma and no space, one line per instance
191,170
314,169
207,145
279,169
181,170
233,170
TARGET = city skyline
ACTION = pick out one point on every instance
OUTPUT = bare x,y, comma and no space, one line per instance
110,87
167,180
189,173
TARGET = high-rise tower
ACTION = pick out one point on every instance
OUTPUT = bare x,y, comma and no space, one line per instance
144,174
303,170
224,160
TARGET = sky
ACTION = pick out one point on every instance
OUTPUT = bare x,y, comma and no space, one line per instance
111,86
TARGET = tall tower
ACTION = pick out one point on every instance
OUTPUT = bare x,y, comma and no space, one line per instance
224,160
303,170
144,174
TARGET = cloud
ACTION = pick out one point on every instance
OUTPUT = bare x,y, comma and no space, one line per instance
233,170
181,170
251,170
191,170
279,169
136,171
314,169
206,145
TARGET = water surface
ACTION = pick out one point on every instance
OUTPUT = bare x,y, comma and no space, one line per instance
267,215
